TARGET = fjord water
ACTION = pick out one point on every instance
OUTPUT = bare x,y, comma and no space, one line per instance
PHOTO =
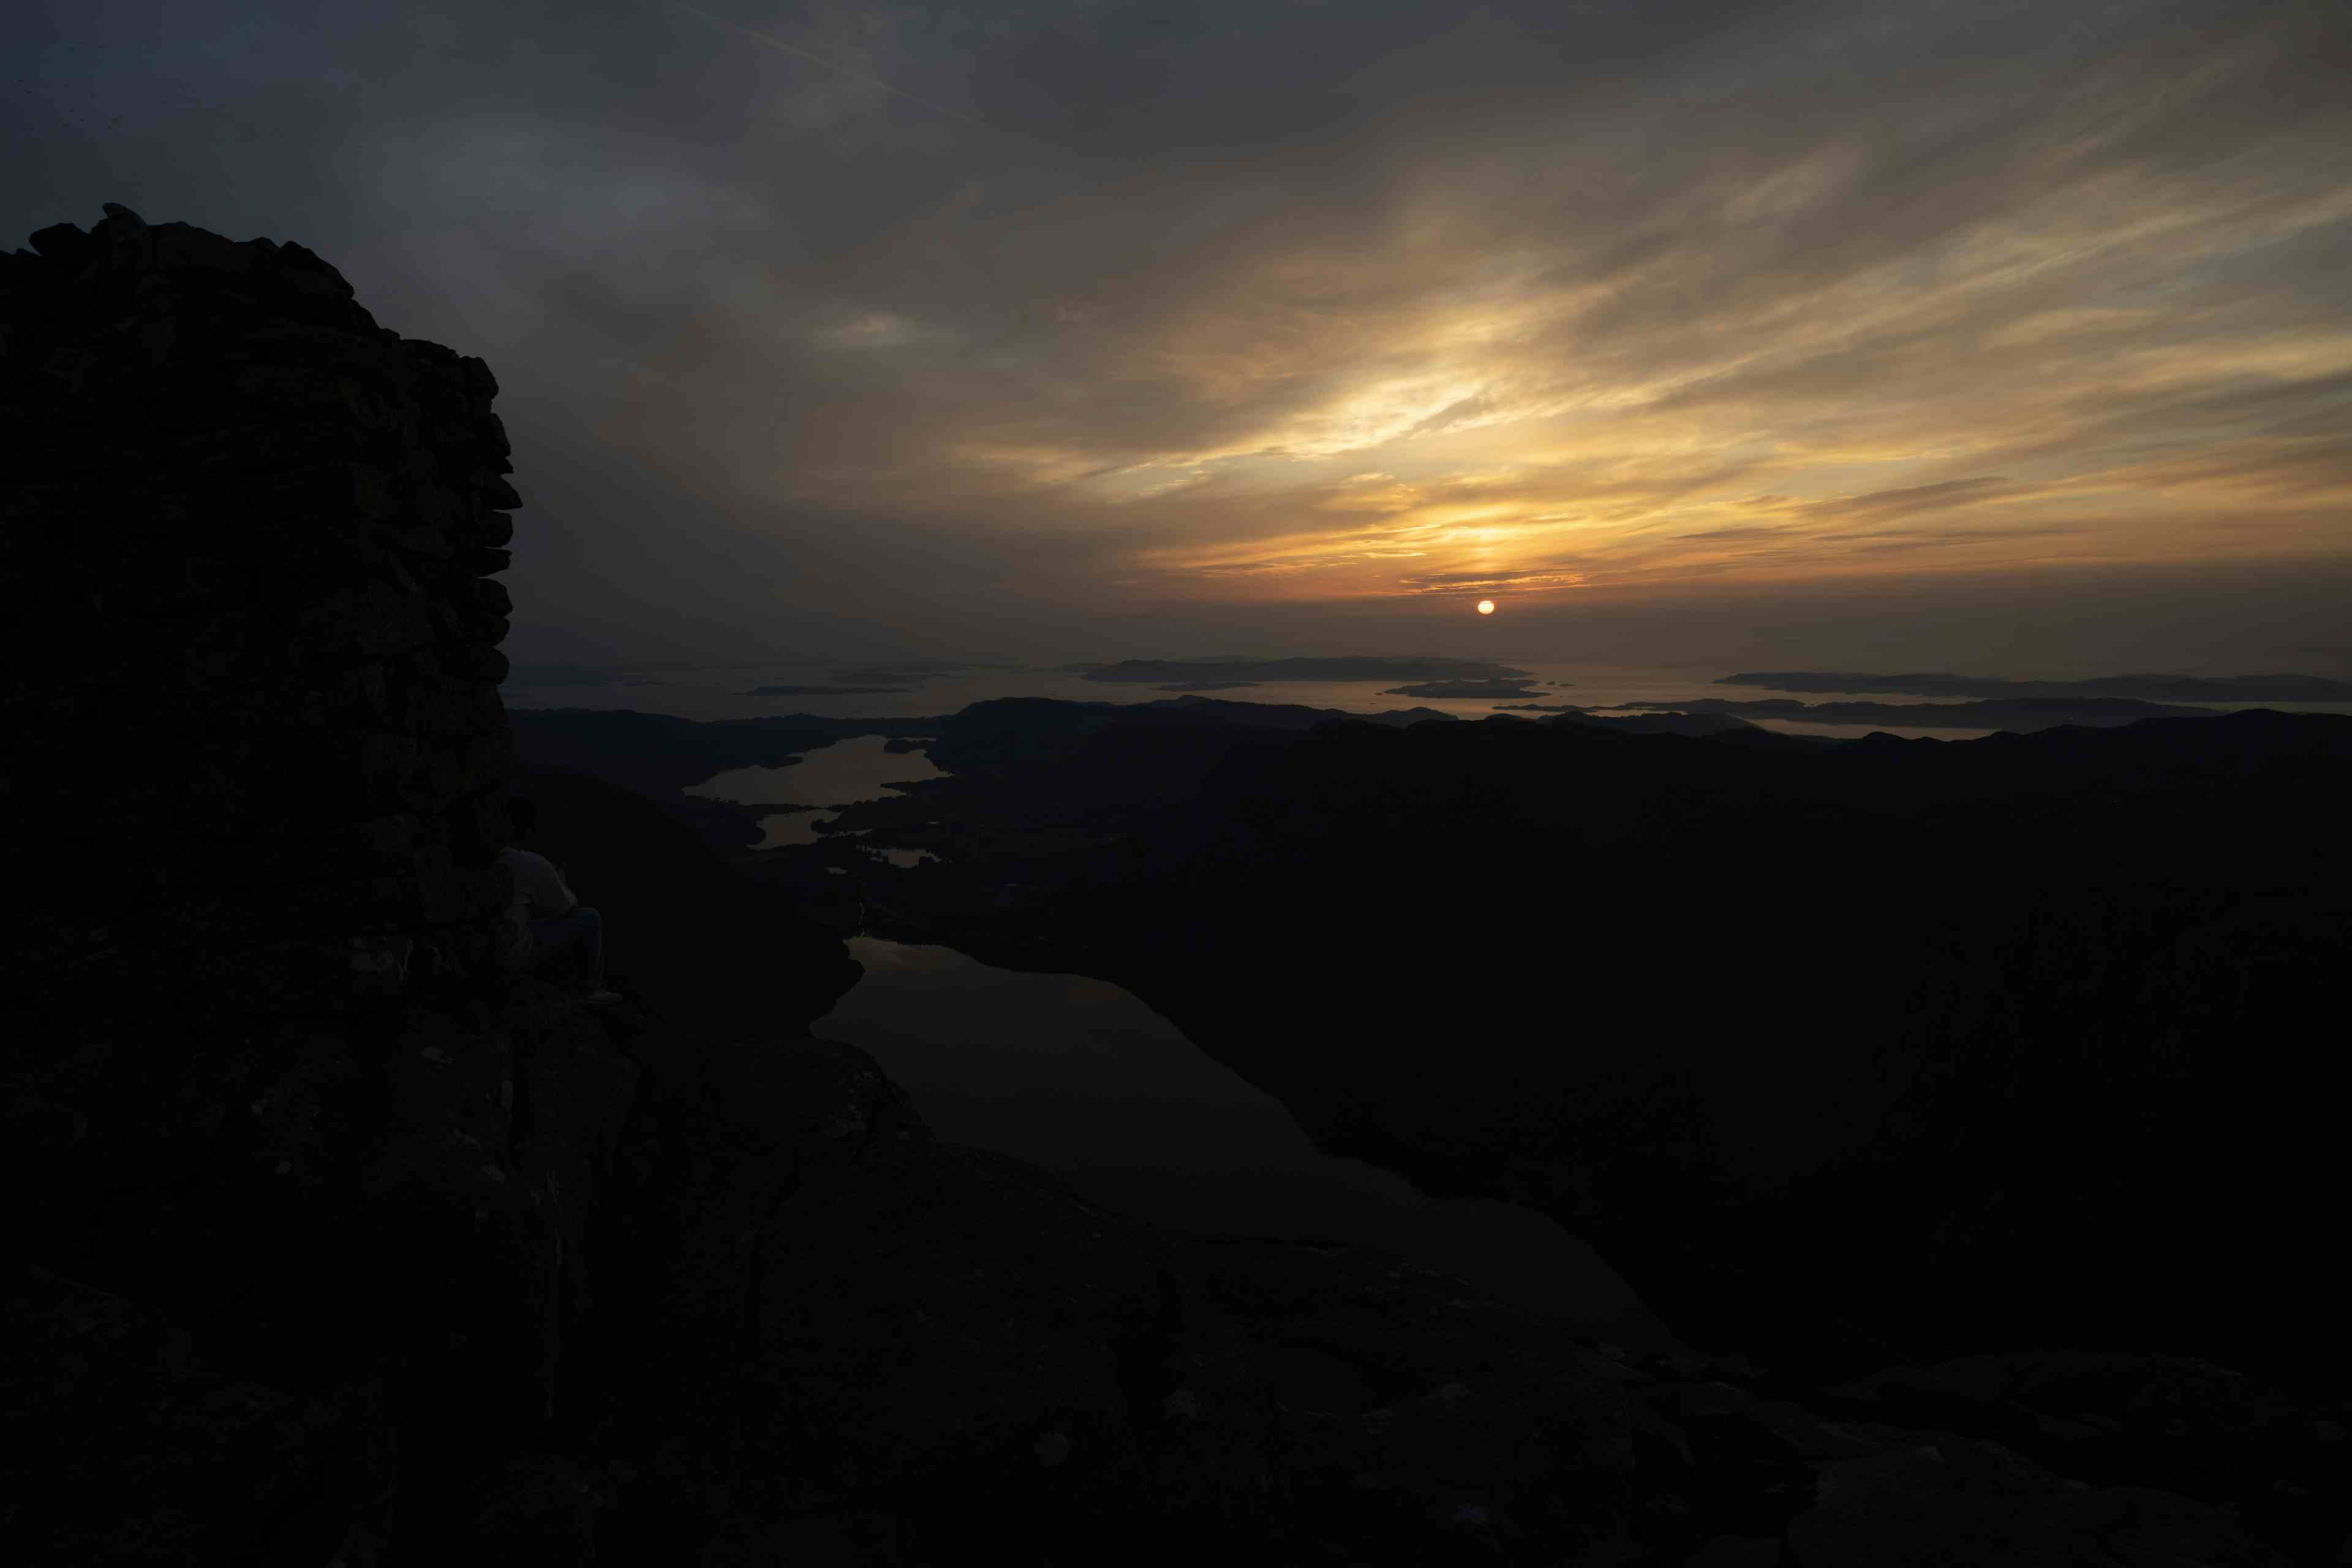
1078,1076
859,768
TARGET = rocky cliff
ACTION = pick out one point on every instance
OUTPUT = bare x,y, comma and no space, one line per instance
332,1242
250,535
328,1242
262,1070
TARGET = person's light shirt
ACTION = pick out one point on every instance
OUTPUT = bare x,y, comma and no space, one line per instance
538,894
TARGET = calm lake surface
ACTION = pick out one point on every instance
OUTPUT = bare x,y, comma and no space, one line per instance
1080,1077
842,773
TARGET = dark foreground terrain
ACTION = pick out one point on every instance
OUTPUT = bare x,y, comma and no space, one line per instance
1848,1054
1922,1045
333,1241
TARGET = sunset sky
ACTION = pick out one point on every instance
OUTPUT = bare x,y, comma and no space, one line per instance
2002,337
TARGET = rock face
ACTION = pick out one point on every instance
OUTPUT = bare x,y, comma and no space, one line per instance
257,777
301,1180
246,545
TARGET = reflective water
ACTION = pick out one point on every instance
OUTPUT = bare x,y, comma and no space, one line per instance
1080,1076
859,768
791,828
842,773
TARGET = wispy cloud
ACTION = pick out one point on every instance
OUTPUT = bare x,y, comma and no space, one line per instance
916,314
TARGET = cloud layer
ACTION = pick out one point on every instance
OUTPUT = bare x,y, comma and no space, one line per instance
1120,327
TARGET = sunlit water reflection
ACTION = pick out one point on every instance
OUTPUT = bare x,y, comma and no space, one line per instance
1080,1076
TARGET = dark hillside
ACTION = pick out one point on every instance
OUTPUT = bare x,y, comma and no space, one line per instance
2045,1009
684,930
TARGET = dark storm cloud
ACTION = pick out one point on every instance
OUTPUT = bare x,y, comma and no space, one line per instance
879,327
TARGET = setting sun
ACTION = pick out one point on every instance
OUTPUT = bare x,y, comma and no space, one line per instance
1486,606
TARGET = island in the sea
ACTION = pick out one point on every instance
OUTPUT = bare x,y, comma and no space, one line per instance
1464,688
1205,686
2147,688
1988,713
821,690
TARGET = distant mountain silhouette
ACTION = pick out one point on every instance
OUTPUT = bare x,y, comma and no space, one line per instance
2153,687
1465,688
1156,671
1694,723
1992,713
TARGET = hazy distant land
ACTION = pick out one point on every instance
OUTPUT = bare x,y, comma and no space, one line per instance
1206,686
1464,688
2002,713
1273,715
2150,688
1157,671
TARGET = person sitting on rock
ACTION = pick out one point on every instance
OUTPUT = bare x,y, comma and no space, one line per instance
547,927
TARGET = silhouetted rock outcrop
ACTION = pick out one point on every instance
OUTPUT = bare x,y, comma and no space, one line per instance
259,1070
302,1178
247,536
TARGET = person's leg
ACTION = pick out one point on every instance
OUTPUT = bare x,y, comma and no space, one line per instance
571,947
591,946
